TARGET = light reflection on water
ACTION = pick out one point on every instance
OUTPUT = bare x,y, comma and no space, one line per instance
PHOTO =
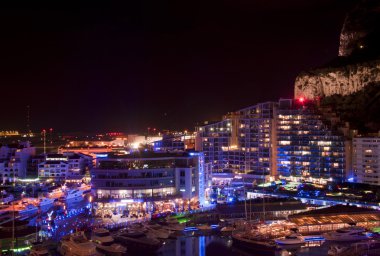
197,245
222,246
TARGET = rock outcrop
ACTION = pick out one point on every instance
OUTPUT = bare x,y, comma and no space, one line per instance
358,63
343,80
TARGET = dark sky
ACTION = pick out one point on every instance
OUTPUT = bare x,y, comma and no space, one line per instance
124,67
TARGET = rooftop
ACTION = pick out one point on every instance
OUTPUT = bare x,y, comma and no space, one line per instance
335,215
54,162
337,209
150,154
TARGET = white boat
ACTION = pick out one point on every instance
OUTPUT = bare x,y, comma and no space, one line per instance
46,202
294,238
105,243
352,233
74,195
85,188
77,245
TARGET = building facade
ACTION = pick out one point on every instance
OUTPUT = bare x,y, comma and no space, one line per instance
241,142
366,160
14,161
62,167
307,148
286,139
150,181
175,142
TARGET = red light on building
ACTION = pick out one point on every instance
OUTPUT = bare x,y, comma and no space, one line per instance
301,99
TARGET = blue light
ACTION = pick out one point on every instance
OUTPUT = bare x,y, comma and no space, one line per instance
320,238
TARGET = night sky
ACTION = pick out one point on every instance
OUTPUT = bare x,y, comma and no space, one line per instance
169,65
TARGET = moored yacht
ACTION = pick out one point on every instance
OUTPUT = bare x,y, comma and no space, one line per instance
102,236
352,233
293,238
254,243
77,245
46,202
74,195
141,243
106,244
112,250
130,232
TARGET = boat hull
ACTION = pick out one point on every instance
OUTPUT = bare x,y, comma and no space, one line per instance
106,250
345,239
252,247
289,242
137,245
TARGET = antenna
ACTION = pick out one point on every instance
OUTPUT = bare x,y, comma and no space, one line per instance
44,138
28,120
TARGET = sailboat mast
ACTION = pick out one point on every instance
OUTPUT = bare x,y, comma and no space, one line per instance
245,200
13,225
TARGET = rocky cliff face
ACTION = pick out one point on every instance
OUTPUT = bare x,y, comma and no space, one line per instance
343,80
358,61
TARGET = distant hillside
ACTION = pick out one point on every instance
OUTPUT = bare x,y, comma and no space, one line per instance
361,109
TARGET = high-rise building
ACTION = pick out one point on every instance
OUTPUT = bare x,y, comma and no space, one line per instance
307,148
290,139
366,160
241,142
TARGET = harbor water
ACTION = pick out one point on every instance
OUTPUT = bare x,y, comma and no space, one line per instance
219,245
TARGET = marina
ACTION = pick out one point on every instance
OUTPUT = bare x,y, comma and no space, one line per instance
167,236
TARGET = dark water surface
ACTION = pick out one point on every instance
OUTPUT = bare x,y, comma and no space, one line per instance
222,246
